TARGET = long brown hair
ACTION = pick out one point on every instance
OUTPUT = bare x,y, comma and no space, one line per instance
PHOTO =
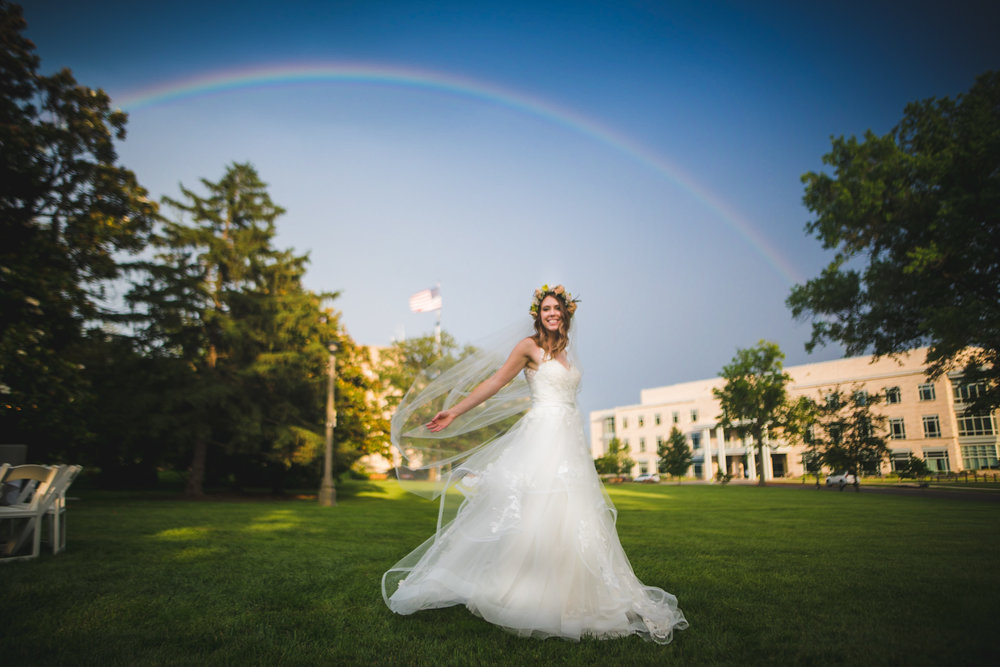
553,342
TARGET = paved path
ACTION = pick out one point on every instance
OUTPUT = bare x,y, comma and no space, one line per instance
963,494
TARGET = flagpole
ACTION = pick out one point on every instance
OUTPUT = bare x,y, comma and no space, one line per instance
437,325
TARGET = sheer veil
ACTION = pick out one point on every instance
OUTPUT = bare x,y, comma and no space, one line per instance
428,458
429,461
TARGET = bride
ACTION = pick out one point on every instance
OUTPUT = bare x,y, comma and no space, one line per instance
533,547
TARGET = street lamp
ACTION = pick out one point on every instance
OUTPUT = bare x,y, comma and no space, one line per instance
327,493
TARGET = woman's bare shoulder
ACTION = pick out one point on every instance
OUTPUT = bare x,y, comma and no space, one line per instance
529,351
527,345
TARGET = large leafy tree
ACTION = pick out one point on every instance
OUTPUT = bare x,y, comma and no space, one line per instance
848,433
914,218
675,455
616,461
754,399
222,299
68,212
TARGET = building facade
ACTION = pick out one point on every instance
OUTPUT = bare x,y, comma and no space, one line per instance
926,418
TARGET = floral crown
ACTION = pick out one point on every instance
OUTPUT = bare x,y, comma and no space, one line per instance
560,292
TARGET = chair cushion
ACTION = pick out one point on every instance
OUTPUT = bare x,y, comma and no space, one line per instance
9,492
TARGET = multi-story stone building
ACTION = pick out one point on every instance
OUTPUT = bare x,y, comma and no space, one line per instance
924,417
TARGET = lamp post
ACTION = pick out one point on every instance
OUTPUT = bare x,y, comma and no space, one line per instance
327,493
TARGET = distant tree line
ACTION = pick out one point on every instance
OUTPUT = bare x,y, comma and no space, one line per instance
137,336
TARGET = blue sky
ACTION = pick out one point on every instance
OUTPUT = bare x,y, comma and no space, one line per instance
646,154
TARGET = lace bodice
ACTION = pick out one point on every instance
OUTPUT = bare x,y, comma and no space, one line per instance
553,384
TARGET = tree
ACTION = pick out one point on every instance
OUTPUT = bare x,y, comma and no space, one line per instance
129,411
68,213
399,364
754,399
914,218
221,298
616,460
846,432
675,456
914,467
813,464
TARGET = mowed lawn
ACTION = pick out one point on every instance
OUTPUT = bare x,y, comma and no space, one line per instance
784,576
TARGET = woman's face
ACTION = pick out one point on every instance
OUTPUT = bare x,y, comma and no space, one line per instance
550,313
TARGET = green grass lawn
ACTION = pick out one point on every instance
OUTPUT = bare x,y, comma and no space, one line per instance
765,576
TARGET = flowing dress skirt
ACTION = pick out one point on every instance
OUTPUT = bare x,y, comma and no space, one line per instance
533,547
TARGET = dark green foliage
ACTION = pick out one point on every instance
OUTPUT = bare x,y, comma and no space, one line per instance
812,461
68,212
675,455
914,218
846,432
914,467
616,461
253,341
130,411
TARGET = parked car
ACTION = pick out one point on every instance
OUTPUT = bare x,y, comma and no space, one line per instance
648,478
840,479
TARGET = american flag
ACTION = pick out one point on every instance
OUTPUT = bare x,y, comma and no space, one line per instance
426,300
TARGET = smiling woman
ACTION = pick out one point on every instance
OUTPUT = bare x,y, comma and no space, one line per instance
533,547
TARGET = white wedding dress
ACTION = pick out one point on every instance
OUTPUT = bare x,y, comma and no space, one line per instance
533,547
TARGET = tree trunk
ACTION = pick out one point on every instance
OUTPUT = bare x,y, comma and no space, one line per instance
760,461
196,474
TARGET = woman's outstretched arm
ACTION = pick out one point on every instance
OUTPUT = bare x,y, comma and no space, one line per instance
519,357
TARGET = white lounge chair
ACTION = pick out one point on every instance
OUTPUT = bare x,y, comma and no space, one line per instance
4,467
57,509
40,485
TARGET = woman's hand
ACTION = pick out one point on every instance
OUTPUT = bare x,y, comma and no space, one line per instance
441,420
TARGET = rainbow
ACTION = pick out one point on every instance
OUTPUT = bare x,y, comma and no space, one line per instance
230,80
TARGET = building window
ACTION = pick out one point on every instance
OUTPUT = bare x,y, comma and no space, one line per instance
899,461
696,440
676,416
659,442
932,426
609,425
642,421
979,457
694,416
624,422
897,429
656,418
861,397
926,392
893,395
643,468
970,391
937,460
975,423
642,444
